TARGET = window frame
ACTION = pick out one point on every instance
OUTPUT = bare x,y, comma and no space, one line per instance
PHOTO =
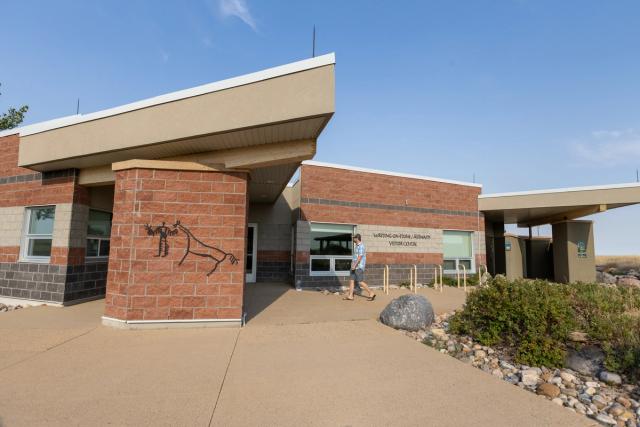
332,265
332,258
27,237
99,238
472,258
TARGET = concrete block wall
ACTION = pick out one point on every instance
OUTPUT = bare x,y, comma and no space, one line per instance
274,238
66,278
274,252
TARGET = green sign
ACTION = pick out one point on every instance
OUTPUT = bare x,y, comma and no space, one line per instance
507,246
582,249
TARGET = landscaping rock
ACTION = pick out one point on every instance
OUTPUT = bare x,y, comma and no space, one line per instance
606,420
567,377
604,277
480,354
629,281
548,390
586,361
599,401
610,378
529,377
624,401
5,307
615,404
616,410
409,312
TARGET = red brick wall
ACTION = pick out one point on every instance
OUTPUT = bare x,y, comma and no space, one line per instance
354,186
271,256
143,286
50,191
344,185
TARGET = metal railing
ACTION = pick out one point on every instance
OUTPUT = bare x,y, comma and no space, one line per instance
437,272
438,281
385,280
464,275
413,279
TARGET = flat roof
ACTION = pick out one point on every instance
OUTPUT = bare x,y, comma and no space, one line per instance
217,86
561,190
382,172
538,207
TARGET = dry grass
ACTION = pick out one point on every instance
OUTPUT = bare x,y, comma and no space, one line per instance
620,262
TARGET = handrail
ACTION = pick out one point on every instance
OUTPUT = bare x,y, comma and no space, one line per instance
464,275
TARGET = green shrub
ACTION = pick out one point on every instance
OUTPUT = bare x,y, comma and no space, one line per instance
622,348
452,281
534,317
609,315
405,284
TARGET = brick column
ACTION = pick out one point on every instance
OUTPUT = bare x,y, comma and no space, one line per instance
177,248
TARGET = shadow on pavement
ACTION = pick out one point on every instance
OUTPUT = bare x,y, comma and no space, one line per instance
259,296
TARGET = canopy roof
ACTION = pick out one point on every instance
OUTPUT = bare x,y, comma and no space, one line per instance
238,123
531,208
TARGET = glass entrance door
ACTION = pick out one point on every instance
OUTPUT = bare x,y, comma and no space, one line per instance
252,252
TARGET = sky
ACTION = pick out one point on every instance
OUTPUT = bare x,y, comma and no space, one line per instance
520,94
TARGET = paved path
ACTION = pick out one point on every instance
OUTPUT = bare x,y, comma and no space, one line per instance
303,359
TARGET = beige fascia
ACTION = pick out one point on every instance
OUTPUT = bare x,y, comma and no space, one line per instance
239,159
576,198
282,99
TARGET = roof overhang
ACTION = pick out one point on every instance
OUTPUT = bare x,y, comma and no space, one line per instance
268,109
532,208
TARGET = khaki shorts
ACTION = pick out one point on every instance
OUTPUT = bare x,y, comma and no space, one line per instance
357,275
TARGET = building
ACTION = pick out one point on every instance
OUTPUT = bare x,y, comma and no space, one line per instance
405,220
168,206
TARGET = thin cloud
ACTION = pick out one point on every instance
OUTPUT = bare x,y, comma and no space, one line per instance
610,147
207,42
239,9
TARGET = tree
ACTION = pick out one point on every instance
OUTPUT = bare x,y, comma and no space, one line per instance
12,117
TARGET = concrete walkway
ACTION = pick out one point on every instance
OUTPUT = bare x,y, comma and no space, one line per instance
303,359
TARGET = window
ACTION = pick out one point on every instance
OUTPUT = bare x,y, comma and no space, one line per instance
331,249
458,250
98,234
38,233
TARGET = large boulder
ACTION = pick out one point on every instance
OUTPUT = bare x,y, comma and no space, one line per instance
410,312
629,281
587,361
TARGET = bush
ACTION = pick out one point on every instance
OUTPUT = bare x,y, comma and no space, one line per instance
452,281
534,318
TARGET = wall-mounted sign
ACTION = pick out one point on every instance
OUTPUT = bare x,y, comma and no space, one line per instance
507,246
402,239
582,249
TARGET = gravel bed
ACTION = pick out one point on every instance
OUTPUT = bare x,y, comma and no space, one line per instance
606,399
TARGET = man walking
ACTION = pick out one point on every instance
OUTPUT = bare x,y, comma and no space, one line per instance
357,269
